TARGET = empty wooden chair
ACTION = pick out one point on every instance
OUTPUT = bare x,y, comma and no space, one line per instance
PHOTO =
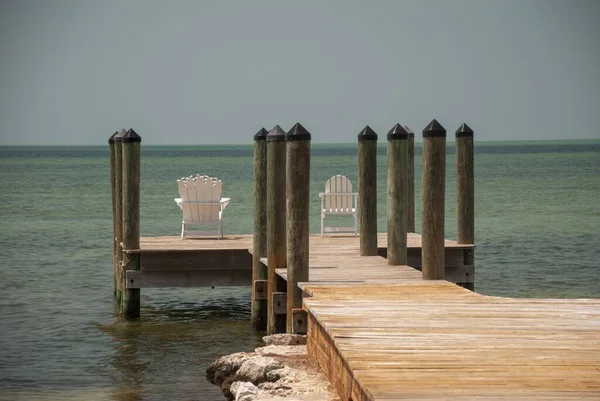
338,199
201,203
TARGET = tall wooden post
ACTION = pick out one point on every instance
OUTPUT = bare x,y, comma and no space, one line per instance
411,180
397,195
298,198
433,198
119,215
259,244
111,154
131,142
276,224
367,191
465,193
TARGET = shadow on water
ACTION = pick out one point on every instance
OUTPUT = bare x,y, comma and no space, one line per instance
167,351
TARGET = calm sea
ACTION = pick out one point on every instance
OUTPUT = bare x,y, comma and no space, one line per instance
537,231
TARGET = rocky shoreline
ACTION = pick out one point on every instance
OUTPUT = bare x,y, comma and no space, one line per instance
281,370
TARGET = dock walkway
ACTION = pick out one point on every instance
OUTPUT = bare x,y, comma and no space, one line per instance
380,332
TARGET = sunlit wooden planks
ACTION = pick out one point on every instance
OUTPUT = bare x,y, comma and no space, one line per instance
434,341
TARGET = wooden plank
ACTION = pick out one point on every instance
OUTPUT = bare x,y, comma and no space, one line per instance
188,278
212,259
432,340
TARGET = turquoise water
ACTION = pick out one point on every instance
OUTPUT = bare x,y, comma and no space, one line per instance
537,234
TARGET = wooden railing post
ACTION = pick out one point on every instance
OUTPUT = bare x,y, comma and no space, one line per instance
131,142
465,193
118,216
111,156
367,191
259,244
298,198
276,224
433,198
397,195
411,180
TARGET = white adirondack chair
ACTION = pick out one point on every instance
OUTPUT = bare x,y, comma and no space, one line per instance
338,199
201,203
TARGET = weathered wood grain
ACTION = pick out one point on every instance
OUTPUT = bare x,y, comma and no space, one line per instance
297,212
258,315
131,220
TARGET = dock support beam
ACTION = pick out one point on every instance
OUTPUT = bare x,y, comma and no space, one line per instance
433,198
276,224
465,193
111,154
298,198
411,180
118,218
367,191
131,142
397,195
259,242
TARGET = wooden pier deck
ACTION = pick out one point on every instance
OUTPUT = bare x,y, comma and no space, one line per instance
380,332
171,262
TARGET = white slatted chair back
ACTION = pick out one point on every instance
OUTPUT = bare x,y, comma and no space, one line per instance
338,199
200,201
341,198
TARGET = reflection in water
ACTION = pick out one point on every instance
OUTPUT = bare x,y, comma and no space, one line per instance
166,353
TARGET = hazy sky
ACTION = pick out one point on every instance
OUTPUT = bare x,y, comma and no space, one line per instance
210,72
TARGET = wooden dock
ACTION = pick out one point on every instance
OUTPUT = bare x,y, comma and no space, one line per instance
380,332
171,262
380,329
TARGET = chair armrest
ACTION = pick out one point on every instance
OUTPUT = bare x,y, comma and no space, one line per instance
224,202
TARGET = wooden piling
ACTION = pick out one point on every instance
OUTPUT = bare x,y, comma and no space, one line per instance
111,155
276,223
433,198
298,198
411,180
259,243
367,191
118,213
397,195
465,193
131,143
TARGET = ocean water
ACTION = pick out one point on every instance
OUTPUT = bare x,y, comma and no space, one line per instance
537,235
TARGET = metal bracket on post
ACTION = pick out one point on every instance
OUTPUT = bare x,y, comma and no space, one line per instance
279,303
299,321
260,290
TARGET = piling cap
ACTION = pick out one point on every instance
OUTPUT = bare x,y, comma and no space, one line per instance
410,133
367,134
434,130
276,134
297,133
131,136
464,130
261,135
397,132
118,137
111,140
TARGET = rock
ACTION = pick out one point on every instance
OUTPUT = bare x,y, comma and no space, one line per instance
255,369
226,387
225,367
277,374
244,391
282,350
285,339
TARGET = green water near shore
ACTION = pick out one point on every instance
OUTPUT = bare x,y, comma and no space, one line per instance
537,231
